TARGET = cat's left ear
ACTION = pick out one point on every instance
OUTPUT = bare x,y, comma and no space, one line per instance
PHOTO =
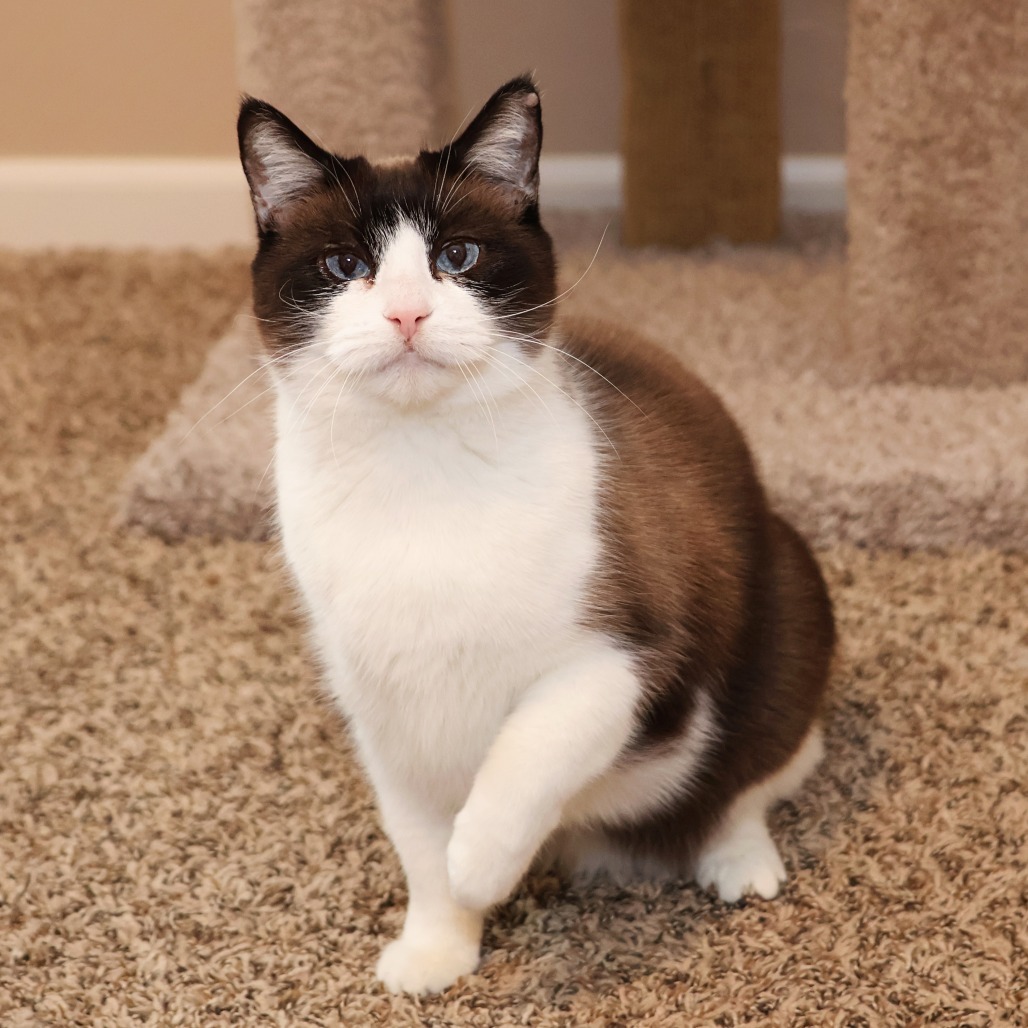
282,164
504,141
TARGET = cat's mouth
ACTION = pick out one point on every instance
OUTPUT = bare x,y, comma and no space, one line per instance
410,359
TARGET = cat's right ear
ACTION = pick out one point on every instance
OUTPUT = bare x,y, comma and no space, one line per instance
282,164
503,142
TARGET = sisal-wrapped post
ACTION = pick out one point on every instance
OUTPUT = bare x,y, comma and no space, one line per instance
700,123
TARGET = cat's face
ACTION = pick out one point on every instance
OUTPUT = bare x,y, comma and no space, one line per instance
411,281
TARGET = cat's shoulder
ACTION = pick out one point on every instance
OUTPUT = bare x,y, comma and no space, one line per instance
636,366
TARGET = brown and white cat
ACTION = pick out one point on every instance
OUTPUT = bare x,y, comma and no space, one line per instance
540,570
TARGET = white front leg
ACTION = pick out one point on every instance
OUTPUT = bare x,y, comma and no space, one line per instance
440,939
567,730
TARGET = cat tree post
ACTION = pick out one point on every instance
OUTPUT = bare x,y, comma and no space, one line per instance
700,123
937,151
362,77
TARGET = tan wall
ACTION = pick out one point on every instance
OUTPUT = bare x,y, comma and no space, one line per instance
117,77
813,75
125,77
572,46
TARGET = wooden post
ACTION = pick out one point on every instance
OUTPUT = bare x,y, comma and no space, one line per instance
700,133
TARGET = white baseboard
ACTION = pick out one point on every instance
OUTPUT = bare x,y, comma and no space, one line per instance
811,183
580,181
814,183
123,203
200,204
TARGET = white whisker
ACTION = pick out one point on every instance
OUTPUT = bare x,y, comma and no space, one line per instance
335,409
559,389
560,296
479,396
589,367
263,366
520,384
356,194
464,174
335,372
437,193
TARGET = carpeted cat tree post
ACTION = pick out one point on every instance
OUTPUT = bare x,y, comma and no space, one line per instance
937,152
368,78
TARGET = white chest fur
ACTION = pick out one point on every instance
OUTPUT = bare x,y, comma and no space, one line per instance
444,566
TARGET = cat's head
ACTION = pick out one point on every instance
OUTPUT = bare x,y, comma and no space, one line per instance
419,278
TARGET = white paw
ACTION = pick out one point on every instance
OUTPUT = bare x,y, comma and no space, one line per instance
484,860
419,967
745,861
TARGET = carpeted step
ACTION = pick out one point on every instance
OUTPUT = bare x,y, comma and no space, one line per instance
894,464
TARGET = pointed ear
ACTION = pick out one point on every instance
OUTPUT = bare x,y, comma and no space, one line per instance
282,165
504,140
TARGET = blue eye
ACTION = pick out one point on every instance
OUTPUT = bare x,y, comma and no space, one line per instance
456,258
347,267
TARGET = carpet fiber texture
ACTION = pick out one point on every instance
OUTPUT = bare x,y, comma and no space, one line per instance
185,838
937,184
315,58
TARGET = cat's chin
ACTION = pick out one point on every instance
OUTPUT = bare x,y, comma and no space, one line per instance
413,380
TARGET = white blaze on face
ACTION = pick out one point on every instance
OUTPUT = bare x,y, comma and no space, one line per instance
403,284
366,330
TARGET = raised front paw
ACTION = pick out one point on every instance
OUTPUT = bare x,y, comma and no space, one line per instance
486,859
422,966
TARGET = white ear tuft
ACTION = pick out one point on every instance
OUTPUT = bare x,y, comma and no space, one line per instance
280,162
504,141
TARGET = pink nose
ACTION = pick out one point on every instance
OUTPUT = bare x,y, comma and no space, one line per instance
408,321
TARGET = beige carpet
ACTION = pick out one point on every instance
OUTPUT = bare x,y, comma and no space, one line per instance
184,838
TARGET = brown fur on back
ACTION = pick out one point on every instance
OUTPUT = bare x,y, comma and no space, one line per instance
701,580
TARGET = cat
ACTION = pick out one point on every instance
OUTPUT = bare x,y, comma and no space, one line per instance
540,571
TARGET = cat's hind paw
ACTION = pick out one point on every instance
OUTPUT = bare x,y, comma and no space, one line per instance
420,967
744,861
